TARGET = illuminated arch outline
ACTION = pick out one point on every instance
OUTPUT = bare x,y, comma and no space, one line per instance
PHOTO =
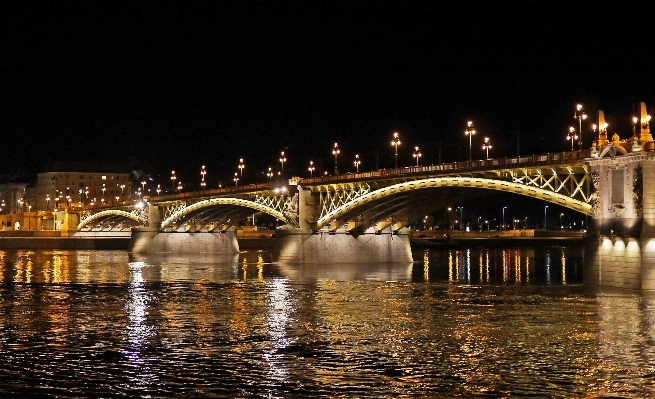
467,182
109,212
222,201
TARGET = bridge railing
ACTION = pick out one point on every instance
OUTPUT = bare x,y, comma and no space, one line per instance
557,157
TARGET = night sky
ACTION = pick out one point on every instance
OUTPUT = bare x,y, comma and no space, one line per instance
177,84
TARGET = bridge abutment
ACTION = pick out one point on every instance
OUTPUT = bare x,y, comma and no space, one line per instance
621,249
305,246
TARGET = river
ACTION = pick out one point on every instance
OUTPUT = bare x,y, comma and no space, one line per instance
466,323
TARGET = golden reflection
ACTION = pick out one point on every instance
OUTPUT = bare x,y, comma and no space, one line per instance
244,267
504,265
517,263
260,268
468,265
450,265
563,267
487,256
426,266
481,267
458,254
527,269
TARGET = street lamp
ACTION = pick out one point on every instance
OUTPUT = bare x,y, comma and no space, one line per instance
158,189
572,136
486,145
173,179
269,174
560,220
103,190
579,115
357,163
283,159
143,183
470,131
336,151
122,192
461,217
47,202
236,179
503,225
395,142
545,216
417,154
203,172
179,186
241,166
311,168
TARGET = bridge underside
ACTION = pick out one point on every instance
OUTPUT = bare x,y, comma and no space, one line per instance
217,218
396,206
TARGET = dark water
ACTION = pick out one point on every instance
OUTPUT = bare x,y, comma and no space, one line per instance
475,323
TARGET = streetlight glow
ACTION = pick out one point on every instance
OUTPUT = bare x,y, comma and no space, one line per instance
357,163
486,146
336,151
573,136
395,142
470,131
579,115
417,154
311,168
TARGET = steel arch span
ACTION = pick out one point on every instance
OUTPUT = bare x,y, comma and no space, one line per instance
456,182
108,214
217,202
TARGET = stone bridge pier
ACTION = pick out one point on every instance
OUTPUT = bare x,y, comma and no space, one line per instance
621,245
305,244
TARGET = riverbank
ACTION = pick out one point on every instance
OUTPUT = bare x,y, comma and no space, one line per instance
454,239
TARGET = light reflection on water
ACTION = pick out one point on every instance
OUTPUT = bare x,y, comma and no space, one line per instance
475,322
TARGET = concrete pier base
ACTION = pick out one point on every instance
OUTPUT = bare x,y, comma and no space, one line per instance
150,241
302,246
620,262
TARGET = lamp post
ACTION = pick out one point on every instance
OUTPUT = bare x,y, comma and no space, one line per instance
236,179
241,166
173,179
579,115
311,168
143,184
560,220
356,163
203,172
417,154
461,217
395,142
179,186
269,174
572,136
283,159
486,145
545,216
336,151
103,191
503,225
158,189
470,131
47,202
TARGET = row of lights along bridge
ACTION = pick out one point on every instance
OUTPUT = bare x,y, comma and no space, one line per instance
573,134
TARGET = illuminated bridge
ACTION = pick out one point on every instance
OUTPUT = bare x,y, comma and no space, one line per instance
360,203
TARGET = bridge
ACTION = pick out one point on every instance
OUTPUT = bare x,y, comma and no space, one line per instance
358,203
363,217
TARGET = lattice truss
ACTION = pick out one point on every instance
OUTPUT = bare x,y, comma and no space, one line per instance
275,202
572,181
336,195
114,218
171,209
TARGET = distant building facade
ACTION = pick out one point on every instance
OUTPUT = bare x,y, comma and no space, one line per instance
75,185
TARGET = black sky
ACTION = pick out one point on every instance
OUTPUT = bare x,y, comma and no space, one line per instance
177,84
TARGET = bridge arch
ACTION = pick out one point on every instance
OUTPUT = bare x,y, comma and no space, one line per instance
221,201
109,213
458,182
